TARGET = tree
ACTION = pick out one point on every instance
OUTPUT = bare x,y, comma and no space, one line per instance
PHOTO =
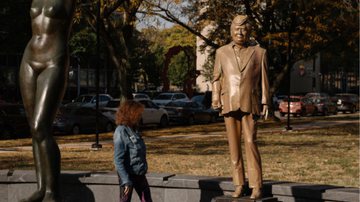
143,60
313,26
115,22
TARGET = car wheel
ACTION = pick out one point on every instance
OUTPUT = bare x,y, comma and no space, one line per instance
191,120
109,127
325,112
353,109
75,130
6,134
315,112
212,119
303,112
282,114
164,121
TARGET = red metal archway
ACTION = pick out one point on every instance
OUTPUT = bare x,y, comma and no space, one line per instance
191,75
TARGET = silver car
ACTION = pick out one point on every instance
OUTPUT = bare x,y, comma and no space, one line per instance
164,98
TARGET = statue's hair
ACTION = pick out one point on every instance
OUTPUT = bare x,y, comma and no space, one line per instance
243,19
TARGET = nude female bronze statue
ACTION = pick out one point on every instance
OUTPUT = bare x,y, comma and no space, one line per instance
240,77
43,76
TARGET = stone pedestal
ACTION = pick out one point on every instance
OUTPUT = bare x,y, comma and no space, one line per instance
242,199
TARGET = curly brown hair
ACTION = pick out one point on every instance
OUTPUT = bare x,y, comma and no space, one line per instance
129,113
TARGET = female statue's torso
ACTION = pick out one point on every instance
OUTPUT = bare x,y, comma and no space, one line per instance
50,21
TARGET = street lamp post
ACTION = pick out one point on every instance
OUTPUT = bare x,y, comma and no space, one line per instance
291,27
78,77
288,127
96,145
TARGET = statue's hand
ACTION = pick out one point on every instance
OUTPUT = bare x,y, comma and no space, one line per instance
265,112
216,105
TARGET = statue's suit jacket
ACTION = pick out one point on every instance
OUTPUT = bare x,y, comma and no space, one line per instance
240,84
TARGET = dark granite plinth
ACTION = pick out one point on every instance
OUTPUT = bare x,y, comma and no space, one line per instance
242,199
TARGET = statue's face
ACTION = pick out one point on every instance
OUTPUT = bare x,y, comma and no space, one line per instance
239,33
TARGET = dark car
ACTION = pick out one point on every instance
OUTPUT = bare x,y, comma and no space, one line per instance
325,106
76,120
347,102
204,99
316,95
190,112
13,122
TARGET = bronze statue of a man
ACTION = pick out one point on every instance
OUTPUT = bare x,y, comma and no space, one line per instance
240,77
43,76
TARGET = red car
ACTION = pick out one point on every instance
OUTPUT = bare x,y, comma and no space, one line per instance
298,106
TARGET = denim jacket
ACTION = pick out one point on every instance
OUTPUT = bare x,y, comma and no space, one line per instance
129,154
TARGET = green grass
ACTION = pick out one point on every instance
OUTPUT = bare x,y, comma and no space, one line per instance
319,156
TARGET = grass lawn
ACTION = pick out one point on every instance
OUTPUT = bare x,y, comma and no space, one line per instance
320,156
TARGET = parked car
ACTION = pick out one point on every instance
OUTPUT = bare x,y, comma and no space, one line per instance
276,101
164,98
13,121
89,100
298,106
325,106
204,99
153,114
140,96
347,102
313,95
76,120
190,112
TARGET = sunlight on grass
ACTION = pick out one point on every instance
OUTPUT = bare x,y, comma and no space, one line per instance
319,156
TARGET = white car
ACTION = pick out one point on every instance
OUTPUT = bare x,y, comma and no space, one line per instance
138,96
89,100
163,98
152,114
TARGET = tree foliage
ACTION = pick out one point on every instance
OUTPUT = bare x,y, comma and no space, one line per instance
330,27
114,20
314,26
164,39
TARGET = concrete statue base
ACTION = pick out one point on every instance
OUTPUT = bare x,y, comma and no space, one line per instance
83,186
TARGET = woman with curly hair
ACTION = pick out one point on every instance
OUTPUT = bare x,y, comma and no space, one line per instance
130,152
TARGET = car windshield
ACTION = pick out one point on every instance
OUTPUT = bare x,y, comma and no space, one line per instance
164,97
178,104
198,98
320,100
64,110
113,103
344,97
292,99
84,98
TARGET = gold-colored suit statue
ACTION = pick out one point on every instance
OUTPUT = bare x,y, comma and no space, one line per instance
43,75
240,86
